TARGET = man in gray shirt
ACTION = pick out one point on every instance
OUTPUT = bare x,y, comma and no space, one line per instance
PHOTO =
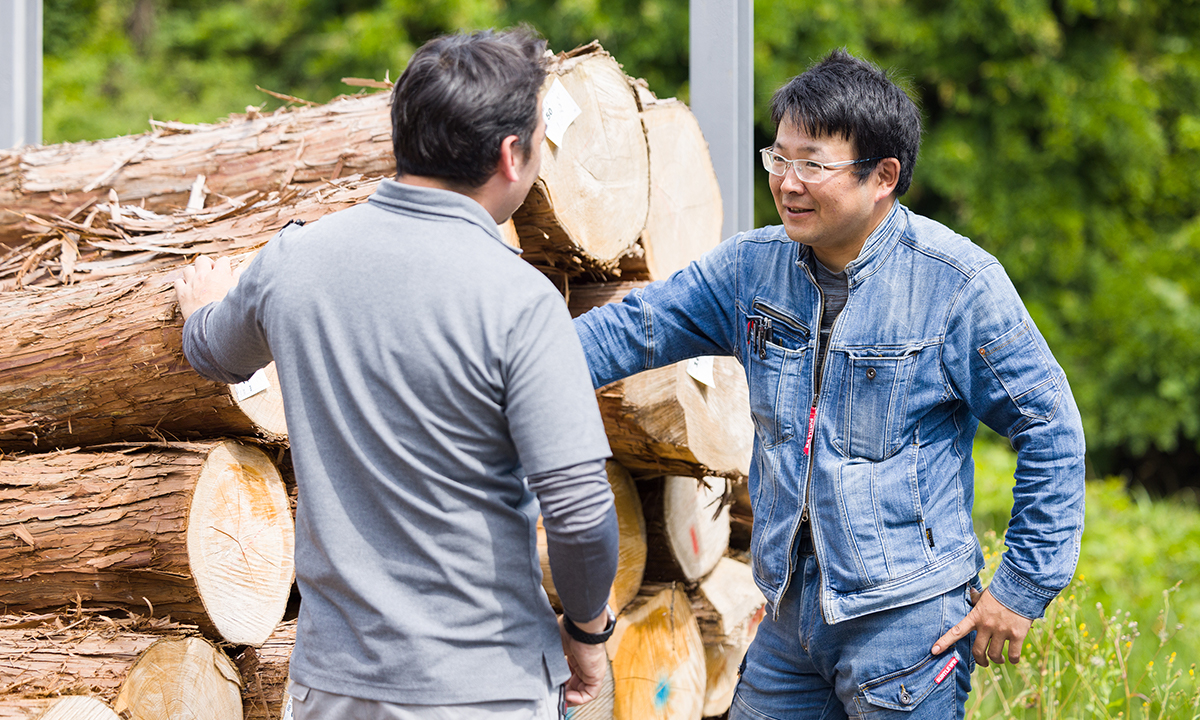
427,370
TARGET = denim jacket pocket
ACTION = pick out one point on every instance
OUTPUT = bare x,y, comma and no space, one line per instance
774,379
872,410
1021,367
904,689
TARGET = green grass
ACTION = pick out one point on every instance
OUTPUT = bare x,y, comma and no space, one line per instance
1123,640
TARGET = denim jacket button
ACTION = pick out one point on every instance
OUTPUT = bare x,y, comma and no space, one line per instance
870,373
905,696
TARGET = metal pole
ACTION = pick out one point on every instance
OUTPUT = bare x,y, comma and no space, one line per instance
20,73
721,76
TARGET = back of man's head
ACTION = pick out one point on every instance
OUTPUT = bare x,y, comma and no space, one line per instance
845,96
459,97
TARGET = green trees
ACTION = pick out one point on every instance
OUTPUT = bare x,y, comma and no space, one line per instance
1061,135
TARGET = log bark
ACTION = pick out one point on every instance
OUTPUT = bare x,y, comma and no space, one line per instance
585,211
103,362
631,563
657,658
666,422
48,657
199,532
684,216
728,607
181,679
687,527
264,672
589,203
298,147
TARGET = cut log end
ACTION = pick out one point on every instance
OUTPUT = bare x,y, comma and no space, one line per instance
181,679
79,707
240,543
262,402
687,527
658,660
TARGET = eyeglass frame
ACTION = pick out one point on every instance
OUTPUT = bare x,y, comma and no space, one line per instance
768,153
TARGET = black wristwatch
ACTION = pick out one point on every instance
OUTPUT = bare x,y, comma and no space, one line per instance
591,638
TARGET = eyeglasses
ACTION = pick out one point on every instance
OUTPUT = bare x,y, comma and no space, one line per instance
809,171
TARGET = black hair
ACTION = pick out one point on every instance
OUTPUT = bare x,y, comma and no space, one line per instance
847,96
460,96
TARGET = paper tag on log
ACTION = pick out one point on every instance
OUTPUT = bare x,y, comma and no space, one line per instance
559,110
701,369
257,383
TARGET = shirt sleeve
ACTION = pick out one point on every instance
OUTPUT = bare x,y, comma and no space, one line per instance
224,340
999,364
582,535
549,403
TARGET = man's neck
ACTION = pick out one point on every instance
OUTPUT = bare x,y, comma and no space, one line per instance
837,259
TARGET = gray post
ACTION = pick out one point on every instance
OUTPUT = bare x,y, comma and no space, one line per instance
20,73
721,75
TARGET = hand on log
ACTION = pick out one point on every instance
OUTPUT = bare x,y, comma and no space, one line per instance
204,282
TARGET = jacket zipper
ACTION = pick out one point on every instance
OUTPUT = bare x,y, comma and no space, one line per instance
812,416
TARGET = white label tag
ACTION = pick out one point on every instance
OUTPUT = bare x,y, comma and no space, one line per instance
257,383
559,110
701,368
287,709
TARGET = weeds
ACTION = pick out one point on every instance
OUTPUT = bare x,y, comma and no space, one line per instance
1078,663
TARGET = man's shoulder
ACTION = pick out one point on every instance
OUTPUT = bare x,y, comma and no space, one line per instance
943,245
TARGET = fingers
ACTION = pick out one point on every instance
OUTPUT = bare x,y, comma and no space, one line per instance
956,633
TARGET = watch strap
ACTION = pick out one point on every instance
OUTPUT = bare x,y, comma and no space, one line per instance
591,638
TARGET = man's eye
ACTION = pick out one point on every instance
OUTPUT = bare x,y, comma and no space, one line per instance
812,165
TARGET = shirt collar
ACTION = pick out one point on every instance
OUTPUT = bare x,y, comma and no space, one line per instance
396,196
874,251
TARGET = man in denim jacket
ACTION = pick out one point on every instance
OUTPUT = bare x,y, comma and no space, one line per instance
874,340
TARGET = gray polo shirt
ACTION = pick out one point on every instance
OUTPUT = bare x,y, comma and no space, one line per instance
425,370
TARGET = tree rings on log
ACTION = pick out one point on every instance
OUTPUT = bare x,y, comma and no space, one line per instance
684,217
201,532
589,203
103,362
181,679
687,526
631,562
658,659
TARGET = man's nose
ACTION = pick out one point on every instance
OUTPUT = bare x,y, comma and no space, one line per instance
790,183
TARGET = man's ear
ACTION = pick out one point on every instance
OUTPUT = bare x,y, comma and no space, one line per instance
888,174
509,165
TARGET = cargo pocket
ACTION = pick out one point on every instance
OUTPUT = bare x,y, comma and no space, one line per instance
1021,367
904,689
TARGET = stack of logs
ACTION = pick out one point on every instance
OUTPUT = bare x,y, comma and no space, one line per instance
146,531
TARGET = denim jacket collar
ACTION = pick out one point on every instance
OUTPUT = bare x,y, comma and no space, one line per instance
875,250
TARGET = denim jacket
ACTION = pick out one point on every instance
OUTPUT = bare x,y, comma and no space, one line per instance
933,338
